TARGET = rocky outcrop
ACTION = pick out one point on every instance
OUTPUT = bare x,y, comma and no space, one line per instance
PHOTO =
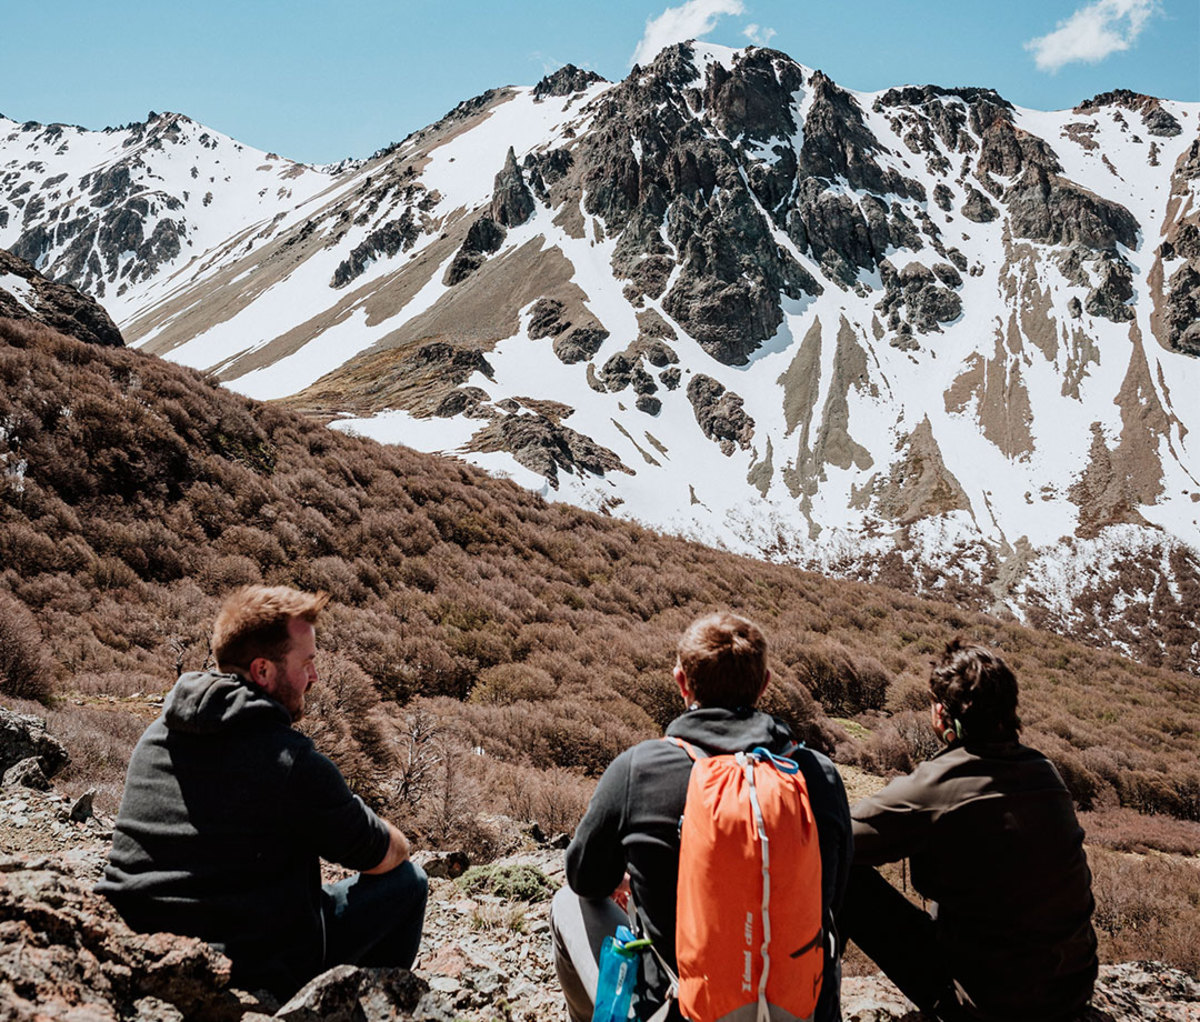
978,208
1181,315
1157,121
720,414
573,341
1045,207
26,294
511,202
544,446
23,737
566,81
918,297
64,953
484,237
395,236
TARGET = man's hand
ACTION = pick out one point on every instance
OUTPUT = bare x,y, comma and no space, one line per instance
397,853
621,894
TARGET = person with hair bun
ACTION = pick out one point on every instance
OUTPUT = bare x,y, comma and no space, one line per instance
228,810
629,839
991,835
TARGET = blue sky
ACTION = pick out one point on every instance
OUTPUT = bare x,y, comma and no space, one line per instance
318,80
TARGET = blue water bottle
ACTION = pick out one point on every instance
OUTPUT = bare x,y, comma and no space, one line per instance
618,975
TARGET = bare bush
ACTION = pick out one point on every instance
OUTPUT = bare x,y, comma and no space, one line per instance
26,670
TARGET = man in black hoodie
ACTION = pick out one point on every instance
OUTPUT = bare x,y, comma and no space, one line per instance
228,810
628,839
990,831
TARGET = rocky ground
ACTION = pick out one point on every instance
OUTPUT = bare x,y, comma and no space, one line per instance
65,955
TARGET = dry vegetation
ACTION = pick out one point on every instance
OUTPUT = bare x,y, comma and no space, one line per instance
487,651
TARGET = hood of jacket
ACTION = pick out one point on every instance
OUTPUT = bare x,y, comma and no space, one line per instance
203,702
717,730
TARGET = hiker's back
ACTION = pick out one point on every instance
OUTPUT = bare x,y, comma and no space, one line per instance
750,932
1006,866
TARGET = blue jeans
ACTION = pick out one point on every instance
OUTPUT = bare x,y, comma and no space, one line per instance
375,919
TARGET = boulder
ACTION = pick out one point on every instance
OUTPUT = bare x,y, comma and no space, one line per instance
978,208
347,993
65,953
23,736
27,774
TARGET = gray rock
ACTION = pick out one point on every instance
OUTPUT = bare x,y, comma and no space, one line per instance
1048,208
978,208
719,413
398,235
347,993
82,809
1109,296
546,319
23,736
1182,317
27,774
580,342
484,237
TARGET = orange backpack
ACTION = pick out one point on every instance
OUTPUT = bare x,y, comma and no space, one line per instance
749,937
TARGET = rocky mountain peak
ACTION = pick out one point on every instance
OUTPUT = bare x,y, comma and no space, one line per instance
566,81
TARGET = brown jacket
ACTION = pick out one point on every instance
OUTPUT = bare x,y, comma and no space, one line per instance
992,837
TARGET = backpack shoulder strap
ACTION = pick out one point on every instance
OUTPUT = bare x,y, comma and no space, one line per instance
695,754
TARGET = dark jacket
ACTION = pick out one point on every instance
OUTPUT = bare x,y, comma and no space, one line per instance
991,834
225,814
632,824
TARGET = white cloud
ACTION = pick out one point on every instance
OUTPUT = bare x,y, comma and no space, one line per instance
760,36
690,20
1092,33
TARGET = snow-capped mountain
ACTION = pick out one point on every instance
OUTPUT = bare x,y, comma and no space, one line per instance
921,335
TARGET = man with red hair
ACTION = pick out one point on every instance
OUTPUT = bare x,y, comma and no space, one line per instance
228,811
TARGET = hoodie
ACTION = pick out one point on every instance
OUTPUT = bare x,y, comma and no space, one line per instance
226,813
632,825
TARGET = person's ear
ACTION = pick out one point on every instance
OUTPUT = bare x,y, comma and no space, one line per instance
262,672
681,680
766,682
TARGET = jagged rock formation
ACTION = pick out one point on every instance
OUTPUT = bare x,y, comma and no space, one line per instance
26,294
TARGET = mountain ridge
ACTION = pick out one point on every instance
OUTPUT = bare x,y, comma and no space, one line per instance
919,334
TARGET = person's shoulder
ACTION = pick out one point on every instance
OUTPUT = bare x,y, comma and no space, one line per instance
811,760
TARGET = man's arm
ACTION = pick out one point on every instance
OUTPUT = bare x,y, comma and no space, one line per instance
596,858
397,853
894,823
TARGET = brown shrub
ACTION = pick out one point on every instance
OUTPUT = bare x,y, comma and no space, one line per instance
1124,830
512,682
1147,909
26,670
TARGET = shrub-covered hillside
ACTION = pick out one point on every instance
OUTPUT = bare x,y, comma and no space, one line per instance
136,493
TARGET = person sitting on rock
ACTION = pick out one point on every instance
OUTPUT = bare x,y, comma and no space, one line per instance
629,838
991,835
228,810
